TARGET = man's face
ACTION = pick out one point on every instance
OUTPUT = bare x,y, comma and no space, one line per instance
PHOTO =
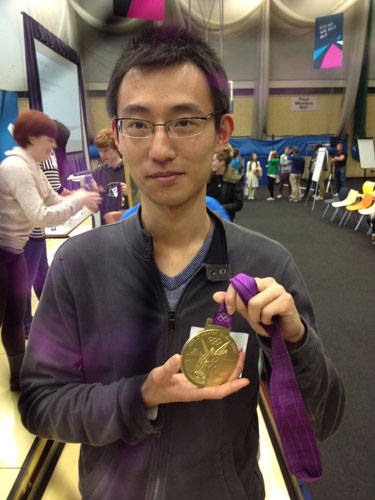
109,155
169,171
339,148
287,151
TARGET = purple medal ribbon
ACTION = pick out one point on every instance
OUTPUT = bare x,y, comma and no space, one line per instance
291,418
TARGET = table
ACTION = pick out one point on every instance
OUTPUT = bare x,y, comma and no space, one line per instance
64,230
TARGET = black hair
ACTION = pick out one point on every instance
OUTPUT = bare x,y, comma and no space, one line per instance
165,46
63,134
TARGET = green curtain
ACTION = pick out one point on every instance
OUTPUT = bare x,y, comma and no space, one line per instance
359,128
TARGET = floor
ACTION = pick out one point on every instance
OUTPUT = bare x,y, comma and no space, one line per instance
15,441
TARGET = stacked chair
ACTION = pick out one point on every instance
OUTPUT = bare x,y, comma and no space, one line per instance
369,192
356,203
349,200
343,193
365,203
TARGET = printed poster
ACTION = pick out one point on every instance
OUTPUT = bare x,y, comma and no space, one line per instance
149,10
328,41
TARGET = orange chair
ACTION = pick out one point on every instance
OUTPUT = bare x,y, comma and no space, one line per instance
366,202
363,212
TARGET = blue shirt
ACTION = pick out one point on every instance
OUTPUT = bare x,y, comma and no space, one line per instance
298,163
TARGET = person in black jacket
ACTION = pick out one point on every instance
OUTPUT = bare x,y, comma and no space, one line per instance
102,366
225,183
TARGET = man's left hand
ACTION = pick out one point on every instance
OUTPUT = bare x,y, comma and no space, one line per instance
271,300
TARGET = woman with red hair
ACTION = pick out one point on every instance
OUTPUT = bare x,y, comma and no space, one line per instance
27,200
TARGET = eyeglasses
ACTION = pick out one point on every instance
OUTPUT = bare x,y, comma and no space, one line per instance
181,128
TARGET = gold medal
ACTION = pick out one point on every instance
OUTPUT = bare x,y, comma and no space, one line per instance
210,356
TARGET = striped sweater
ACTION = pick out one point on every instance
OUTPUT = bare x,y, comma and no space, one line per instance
51,171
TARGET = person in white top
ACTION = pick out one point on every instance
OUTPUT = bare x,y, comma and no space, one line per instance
27,200
285,167
253,174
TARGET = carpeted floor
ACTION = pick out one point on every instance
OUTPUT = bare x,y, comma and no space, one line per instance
338,265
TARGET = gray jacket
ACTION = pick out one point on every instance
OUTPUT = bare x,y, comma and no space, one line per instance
103,323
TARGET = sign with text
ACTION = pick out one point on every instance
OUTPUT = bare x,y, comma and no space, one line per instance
328,41
304,103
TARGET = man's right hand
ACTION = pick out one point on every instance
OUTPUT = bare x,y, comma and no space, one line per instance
165,385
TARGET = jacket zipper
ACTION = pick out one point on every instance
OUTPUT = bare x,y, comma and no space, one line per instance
171,331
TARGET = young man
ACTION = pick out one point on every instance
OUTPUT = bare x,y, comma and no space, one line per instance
110,175
296,172
103,363
340,167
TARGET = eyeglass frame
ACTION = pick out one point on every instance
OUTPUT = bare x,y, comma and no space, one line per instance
153,125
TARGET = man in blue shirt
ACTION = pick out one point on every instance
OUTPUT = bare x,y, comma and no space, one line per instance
297,168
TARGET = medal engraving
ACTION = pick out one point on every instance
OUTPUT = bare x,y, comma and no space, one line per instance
210,356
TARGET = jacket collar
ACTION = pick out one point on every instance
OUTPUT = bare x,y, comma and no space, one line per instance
215,263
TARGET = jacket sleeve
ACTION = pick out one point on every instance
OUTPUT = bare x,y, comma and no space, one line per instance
236,201
56,401
321,386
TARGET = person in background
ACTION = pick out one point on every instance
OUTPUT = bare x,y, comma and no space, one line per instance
103,363
272,173
285,167
110,176
297,168
60,151
253,174
311,171
340,167
35,250
225,187
27,200
236,161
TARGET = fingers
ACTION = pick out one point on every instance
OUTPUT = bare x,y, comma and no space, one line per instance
233,384
165,385
163,373
232,301
224,390
124,189
92,200
94,185
271,300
